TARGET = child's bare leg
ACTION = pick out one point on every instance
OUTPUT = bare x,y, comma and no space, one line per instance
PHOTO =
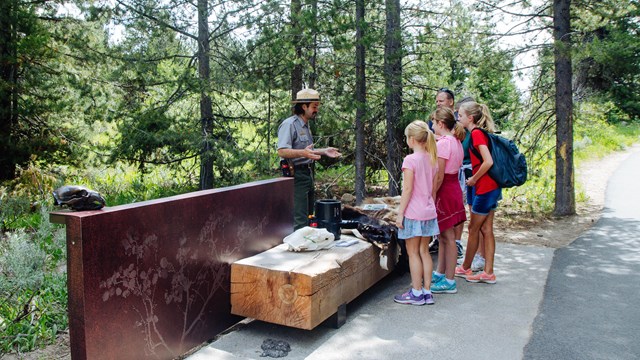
441,258
427,263
474,233
415,261
489,243
450,251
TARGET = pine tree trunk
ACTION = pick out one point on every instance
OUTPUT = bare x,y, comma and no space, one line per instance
296,30
206,110
565,191
314,51
8,71
361,91
393,85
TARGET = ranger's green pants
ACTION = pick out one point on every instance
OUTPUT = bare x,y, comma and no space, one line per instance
303,197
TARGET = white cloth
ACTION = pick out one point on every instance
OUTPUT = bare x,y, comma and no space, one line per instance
309,239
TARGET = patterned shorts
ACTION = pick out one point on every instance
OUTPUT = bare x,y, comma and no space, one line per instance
413,228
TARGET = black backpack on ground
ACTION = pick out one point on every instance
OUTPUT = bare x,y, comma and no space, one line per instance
509,165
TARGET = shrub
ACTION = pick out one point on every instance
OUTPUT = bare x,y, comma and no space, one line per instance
33,293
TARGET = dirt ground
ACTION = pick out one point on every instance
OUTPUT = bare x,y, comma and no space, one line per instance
548,232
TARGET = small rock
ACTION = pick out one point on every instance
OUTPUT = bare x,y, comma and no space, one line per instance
275,348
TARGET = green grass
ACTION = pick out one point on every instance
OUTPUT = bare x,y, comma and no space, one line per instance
593,139
600,140
43,315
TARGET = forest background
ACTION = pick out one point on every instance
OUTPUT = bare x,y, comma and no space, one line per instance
141,99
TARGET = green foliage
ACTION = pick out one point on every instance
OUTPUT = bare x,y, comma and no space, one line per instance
42,118
493,84
123,184
23,195
33,293
537,195
596,136
608,64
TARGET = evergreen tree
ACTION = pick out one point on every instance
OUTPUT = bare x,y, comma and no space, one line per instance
41,118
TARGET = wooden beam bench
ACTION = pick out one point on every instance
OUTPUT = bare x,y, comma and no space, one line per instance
303,289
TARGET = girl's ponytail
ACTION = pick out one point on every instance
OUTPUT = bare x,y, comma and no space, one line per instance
459,132
486,121
431,148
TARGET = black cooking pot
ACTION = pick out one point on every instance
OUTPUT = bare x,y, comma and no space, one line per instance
328,215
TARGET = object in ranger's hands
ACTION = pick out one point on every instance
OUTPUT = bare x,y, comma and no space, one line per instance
78,198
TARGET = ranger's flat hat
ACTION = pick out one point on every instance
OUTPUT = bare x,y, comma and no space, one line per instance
306,96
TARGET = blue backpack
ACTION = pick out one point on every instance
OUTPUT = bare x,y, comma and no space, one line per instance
509,165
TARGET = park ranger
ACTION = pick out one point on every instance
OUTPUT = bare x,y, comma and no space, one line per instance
295,145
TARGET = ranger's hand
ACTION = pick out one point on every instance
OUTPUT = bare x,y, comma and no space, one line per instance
332,152
309,153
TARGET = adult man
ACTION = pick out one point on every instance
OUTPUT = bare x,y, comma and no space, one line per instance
445,97
295,142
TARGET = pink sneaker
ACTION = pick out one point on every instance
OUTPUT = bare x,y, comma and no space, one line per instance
482,277
460,272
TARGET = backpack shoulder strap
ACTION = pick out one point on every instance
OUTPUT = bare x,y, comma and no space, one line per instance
472,146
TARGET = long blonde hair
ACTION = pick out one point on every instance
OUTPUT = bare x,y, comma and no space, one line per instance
419,131
446,116
480,114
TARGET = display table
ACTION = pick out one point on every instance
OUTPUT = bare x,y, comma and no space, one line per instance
302,289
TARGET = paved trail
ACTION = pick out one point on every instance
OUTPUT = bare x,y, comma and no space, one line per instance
590,308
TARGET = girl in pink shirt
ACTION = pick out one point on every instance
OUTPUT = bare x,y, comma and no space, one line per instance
417,220
449,203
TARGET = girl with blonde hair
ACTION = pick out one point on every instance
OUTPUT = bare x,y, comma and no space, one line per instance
485,192
417,219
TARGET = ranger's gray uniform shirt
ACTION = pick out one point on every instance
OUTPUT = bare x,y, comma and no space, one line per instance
294,133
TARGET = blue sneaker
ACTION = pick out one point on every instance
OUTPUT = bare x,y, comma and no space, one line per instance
428,299
409,298
435,278
443,287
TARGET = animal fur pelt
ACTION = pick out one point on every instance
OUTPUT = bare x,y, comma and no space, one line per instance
380,219
375,230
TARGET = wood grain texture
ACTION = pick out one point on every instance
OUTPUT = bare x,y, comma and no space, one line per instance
302,289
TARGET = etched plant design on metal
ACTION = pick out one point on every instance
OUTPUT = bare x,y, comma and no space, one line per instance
197,272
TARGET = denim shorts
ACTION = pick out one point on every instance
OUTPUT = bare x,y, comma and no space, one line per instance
484,203
413,228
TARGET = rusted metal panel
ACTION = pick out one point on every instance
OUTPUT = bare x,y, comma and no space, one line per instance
151,280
